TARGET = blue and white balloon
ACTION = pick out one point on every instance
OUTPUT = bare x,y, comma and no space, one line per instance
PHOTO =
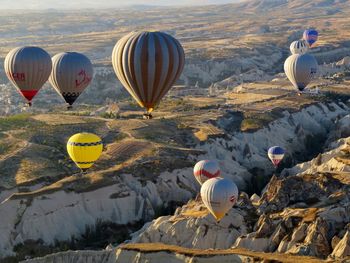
276,155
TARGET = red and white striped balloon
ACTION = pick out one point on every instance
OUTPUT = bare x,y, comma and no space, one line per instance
206,169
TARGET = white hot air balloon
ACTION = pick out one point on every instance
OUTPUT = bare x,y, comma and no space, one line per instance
71,73
28,68
219,195
300,69
206,169
299,47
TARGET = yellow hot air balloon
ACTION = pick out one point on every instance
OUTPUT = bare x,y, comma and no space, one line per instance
84,149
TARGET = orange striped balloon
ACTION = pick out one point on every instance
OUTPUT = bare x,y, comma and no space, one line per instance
148,64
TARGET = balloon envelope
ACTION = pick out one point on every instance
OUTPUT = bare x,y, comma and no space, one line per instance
28,68
84,149
148,64
71,73
276,155
219,195
206,169
300,69
310,36
298,47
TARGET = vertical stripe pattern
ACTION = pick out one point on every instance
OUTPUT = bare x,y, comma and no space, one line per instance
300,69
28,68
298,47
148,64
71,73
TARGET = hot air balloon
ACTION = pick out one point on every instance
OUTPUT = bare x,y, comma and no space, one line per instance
71,73
298,47
84,149
300,69
276,155
28,68
219,195
310,36
206,169
148,64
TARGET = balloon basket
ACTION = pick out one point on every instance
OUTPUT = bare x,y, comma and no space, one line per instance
69,107
147,116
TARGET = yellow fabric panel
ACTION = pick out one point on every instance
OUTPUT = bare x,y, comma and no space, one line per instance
219,216
84,149
84,137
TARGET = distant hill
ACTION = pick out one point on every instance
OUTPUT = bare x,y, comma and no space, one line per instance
84,4
292,4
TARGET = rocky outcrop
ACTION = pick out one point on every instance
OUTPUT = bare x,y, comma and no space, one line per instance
44,216
78,257
342,248
139,257
243,158
199,229
328,161
126,202
308,213
156,252
303,214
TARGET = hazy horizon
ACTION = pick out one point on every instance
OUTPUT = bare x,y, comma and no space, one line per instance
80,4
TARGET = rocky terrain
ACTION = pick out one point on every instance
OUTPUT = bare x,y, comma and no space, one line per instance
301,214
137,178
139,202
303,211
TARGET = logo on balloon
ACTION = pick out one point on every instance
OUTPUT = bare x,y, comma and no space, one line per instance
18,76
82,78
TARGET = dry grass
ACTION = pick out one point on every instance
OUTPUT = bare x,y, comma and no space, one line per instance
136,139
204,102
249,97
194,208
78,182
60,119
195,214
127,148
127,125
159,247
226,32
207,131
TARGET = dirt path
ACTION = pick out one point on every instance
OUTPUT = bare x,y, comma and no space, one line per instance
21,145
